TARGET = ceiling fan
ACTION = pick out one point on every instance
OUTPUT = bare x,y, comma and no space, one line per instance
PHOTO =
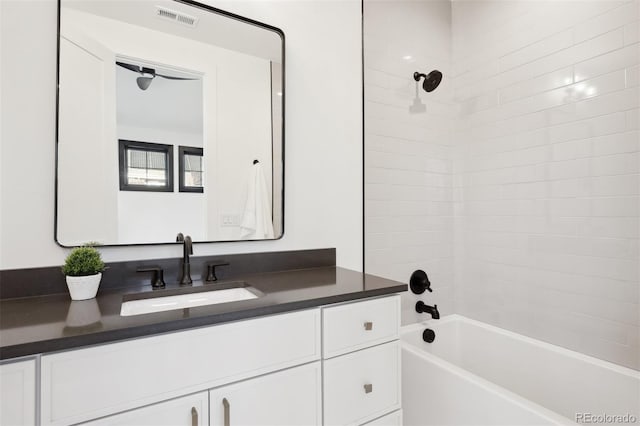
147,75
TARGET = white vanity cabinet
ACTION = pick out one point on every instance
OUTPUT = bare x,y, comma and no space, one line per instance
361,362
333,365
18,393
85,384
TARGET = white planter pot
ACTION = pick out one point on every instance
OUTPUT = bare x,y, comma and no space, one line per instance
83,288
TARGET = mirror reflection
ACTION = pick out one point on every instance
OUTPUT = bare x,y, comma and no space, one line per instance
169,120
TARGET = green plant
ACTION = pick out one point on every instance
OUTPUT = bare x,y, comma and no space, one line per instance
83,261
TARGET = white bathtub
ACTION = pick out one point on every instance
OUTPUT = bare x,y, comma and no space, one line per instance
477,374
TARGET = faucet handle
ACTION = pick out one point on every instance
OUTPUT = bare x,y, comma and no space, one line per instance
211,270
419,282
157,279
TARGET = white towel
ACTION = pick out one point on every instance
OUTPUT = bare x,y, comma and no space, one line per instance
256,222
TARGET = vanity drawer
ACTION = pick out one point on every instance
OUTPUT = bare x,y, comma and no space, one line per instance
85,384
354,326
362,385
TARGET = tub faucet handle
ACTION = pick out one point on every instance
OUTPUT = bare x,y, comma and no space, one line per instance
419,282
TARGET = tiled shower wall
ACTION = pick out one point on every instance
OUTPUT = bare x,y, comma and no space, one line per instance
408,180
534,133
546,171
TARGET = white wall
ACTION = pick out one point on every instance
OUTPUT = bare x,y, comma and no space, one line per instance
547,182
408,207
323,132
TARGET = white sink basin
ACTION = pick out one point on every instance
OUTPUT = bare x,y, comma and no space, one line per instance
190,300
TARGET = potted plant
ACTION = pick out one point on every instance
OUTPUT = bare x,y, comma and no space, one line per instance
83,269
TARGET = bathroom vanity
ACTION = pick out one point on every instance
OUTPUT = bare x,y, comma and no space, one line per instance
319,347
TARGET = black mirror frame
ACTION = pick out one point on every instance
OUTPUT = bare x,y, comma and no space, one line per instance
210,9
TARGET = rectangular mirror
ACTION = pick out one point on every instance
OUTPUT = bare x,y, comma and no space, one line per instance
170,119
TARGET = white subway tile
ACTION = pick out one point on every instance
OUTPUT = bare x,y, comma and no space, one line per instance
569,207
606,22
537,50
618,164
580,148
600,105
377,241
569,169
615,206
631,75
598,86
616,143
571,188
580,52
374,77
612,61
552,80
616,227
632,33
633,119
601,125
615,186
596,46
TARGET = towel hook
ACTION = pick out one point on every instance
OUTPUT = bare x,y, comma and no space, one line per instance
255,161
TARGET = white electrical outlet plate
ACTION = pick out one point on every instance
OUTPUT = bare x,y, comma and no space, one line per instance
230,220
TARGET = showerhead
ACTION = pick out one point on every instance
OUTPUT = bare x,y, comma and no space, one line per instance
431,80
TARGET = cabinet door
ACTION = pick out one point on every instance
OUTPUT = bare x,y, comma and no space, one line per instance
18,393
192,410
290,397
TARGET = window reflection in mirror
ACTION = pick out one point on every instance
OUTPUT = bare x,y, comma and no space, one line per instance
191,169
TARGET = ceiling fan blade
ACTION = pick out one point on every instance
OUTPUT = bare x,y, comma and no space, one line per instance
168,77
130,67
151,71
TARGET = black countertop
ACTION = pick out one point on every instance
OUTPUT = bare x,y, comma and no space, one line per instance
41,324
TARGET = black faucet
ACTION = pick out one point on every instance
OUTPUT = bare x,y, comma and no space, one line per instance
185,279
433,310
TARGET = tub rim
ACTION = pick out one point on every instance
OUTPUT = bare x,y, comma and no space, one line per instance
406,329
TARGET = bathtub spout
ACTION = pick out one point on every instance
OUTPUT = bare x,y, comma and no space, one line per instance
433,310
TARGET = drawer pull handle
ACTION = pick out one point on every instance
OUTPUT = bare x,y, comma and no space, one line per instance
227,412
194,416
368,388
368,326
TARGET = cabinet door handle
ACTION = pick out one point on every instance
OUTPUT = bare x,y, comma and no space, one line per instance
368,326
194,416
368,388
227,412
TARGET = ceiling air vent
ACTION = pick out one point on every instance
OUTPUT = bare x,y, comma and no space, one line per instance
172,15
